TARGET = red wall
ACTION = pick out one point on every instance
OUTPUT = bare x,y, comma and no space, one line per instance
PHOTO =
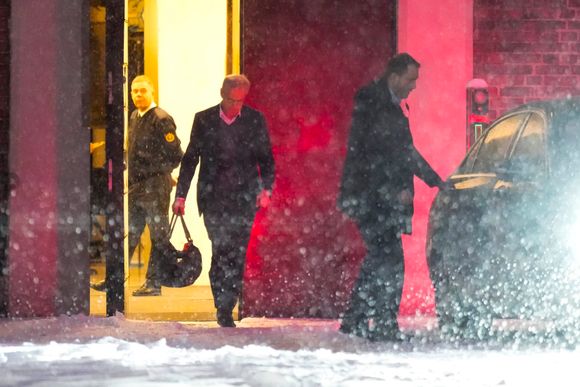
33,206
4,144
4,74
527,50
49,206
305,62
439,34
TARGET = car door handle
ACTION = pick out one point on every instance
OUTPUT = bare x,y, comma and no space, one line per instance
502,185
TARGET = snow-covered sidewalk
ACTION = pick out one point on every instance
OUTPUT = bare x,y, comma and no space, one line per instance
91,351
291,334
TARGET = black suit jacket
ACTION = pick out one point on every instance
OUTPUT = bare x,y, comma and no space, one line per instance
154,150
381,161
254,157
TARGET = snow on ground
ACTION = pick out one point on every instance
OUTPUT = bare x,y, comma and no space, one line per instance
89,351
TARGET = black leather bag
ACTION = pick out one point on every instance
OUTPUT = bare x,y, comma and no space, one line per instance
180,267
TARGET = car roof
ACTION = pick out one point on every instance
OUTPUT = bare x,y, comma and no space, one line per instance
557,111
551,105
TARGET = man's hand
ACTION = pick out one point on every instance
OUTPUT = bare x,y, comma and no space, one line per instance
178,206
447,185
264,198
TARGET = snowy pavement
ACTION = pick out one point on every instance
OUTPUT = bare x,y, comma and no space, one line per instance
89,351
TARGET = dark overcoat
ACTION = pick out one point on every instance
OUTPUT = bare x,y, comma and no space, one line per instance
381,161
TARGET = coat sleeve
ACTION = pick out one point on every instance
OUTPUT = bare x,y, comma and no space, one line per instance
424,171
401,157
170,150
189,160
263,155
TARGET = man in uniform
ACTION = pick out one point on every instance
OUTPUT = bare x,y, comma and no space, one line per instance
153,152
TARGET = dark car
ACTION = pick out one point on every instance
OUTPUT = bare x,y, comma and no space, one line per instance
504,242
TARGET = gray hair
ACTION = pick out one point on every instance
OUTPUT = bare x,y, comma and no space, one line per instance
234,81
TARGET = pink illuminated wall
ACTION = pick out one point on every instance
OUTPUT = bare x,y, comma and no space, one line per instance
306,62
49,137
33,231
439,34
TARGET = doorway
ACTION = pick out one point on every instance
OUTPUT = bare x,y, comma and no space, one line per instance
168,42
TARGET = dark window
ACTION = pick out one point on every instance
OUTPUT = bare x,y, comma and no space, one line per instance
566,142
570,129
529,157
493,151
467,164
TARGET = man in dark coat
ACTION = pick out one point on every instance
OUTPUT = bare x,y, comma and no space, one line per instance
377,193
236,174
153,152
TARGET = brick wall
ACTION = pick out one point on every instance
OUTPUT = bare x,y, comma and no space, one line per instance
527,50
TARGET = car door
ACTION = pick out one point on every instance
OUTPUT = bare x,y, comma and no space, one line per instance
522,205
465,219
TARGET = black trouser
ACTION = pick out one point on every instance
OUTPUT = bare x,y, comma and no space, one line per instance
149,205
228,227
377,291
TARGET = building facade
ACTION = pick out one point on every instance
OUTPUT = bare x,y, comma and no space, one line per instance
524,49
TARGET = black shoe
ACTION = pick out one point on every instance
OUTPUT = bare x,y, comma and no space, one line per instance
358,330
390,336
225,319
100,286
148,289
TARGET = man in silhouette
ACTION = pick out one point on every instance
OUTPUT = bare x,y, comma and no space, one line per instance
376,191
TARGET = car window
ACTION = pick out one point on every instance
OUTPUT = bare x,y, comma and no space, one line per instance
570,130
567,143
467,163
529,158
493,151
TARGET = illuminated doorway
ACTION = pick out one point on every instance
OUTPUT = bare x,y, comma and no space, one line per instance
186,47
97,148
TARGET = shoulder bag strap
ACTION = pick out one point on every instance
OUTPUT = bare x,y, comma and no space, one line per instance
185,230
172,227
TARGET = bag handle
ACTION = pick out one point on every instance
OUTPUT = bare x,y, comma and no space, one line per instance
185,230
